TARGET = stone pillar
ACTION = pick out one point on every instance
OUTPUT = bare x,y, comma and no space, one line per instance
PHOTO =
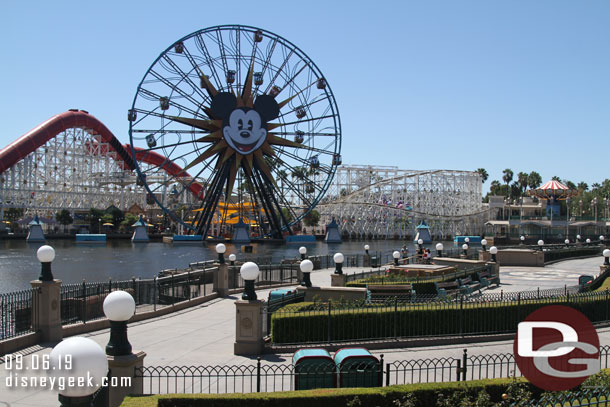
539,258
248,328
337,280
124,367
603,268
484,255
46,313
221,282
495,267
366,262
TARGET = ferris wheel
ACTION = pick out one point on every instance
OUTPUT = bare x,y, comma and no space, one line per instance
245,126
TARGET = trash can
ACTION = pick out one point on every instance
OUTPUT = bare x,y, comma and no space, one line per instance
374,261
313,369
278,294
357,367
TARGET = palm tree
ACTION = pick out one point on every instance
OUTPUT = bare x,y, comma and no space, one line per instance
556,178
522,181
507,178
495,185
582,187
534,180
483,173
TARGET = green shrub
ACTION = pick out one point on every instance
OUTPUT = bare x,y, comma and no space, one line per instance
299,323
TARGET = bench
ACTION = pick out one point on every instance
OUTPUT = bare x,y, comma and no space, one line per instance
382,293
486,279
444,289
468,286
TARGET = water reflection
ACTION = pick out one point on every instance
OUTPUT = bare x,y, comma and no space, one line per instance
121,259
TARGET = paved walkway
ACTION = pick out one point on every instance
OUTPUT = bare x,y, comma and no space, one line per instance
204,335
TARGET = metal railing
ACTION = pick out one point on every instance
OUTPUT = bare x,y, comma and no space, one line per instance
18,313
383,277
335,322
270,377
270,274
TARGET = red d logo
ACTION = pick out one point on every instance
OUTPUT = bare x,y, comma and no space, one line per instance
556,348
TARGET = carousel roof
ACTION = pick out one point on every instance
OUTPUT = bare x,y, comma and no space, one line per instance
553,189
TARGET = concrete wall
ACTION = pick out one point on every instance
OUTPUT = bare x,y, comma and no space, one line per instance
520,257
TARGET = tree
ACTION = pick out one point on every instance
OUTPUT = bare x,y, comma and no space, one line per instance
522,181
117,215
555,178
494,187
534,180
312,218
484,174
582,187
507,177
64,218
287,214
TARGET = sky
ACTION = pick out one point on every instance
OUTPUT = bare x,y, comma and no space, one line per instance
459,85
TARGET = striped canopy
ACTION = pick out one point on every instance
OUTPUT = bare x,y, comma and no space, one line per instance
553,189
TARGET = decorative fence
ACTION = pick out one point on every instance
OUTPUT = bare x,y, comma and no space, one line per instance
271,274
271,377
17,310
386,278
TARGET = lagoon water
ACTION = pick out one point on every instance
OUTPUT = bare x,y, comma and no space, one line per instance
121,259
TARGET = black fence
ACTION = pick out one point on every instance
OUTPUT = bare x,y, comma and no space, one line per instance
84,302
384,277
270,274
18,311
270,377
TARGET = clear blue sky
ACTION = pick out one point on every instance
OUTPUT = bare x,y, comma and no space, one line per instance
426,84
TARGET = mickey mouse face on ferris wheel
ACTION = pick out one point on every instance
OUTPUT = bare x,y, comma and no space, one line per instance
244,129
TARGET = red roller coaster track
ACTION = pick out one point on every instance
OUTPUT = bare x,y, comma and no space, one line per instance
38,136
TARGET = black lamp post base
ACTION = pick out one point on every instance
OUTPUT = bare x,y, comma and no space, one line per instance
249,293
118,345
339,268
45,272
306,280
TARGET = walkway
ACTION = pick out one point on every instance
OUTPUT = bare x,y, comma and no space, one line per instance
204,335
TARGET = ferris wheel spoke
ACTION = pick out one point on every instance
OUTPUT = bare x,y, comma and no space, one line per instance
173,103
186,77
179,91
210,62
305,120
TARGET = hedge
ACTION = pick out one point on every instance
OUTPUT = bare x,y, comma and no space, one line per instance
424,394
300,323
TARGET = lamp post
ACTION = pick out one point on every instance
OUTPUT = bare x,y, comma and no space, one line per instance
439,249
396,256
232,259
467,240
578,237
493,250
420,246
46,255
366,249
540,244
465,248
72,360
221,249
601,239
119,307
306,268
99,227
249,272
484,244
567,242
568,217
338,258
303,252
606,254
588,241
522,239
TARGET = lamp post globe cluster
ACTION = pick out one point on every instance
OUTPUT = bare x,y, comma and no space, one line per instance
338,258
249,271
306,268
73,360
46,255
